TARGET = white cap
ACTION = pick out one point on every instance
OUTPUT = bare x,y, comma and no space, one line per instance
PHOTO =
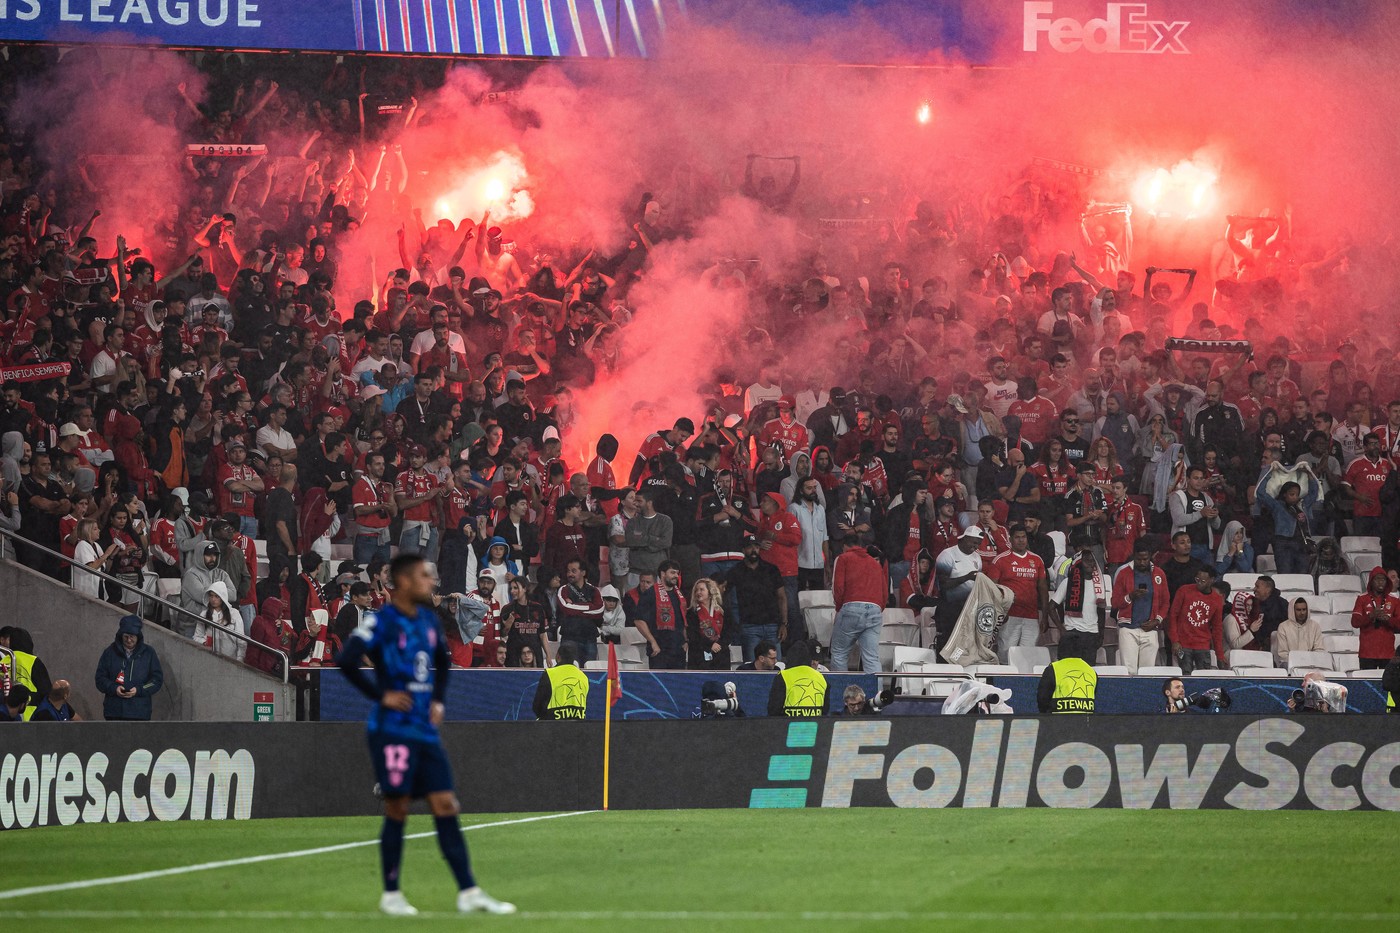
974,531
70,430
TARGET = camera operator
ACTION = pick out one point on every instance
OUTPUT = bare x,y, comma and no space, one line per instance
1318,695
856,703
720,701
1175,692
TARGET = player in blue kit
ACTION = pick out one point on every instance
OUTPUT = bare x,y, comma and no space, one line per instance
410,659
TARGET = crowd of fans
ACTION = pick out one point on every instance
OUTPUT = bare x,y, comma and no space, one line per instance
221,413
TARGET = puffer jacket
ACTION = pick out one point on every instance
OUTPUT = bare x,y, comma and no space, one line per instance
139,669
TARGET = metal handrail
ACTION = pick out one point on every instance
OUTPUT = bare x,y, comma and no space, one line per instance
20,541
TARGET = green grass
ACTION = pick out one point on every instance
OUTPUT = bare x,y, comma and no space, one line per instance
851,870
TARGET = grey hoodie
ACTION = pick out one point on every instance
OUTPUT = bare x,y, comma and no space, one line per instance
194,586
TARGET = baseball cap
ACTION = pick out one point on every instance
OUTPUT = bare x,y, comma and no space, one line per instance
69,430
787,401
974,531
211,548
372,391
236,442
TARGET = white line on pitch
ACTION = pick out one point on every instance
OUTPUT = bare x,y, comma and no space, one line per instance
732,916
253,859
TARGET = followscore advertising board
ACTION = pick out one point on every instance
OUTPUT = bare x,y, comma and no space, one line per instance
62,774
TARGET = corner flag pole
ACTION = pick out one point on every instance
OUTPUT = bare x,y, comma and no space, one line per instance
607,740
614,685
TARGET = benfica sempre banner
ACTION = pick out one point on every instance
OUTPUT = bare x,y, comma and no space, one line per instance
34,372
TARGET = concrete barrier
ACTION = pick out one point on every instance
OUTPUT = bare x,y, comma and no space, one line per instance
71,631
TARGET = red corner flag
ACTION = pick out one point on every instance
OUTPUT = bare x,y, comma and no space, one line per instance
614,680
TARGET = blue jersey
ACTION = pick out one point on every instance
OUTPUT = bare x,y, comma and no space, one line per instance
408,653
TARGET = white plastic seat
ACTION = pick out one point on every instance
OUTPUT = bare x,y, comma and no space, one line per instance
807,599
947,673
1363,564
1039,669
1026,659
820,620
633,652
1338,583
1300,662
1241,659
1334,622
1345,662
1316,604
1212,672
992,670
1240,581
1343,604
1294,582
736,655
1343,643
899,626
1111,670
630,636
1366,675
596,665
1265,563
905,654
630,665
1266,672
260,547
1165,670
1359,544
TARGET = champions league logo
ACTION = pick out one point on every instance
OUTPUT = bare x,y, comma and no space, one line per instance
1125,27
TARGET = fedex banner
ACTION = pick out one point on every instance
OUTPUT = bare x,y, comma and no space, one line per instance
60,774
434,27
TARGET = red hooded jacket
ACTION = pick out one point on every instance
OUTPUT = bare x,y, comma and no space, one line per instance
1377,635
782,530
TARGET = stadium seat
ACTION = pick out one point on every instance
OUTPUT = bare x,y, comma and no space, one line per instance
1212,672
630,665
820,620
1334,622
1316,604
633,652
1343,604
260,547
1247,659
904,654
918,686
807,599
1343,644
736,655
630,636
1346,662
342,551
1266,672
1359,544
596,665
1166,670
1264,563
1240,581
992,670
1338,583
1363,564
1294,582
1111,670
1026,659
1300,662
1365,675
900,627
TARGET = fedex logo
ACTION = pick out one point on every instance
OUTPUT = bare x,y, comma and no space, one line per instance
1124,28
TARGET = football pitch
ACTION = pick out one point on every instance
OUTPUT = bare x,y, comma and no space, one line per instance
714,870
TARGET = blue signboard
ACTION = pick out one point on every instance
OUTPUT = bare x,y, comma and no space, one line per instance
442,27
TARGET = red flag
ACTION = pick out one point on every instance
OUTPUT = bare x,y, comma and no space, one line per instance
614,679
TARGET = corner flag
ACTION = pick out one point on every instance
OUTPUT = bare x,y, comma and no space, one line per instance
614,679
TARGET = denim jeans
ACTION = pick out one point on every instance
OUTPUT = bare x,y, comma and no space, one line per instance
248,525
1189,659
856,624
1289,556
1204,554
899,569
753,634
411,538
368,548
587,650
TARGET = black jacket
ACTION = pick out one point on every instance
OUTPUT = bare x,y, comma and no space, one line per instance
140,670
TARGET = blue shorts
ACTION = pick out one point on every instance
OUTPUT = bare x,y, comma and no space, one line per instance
408,768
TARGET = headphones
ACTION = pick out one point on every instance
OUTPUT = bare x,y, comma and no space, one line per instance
1179,705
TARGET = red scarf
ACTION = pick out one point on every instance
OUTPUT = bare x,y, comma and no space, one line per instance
667,614
711,623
